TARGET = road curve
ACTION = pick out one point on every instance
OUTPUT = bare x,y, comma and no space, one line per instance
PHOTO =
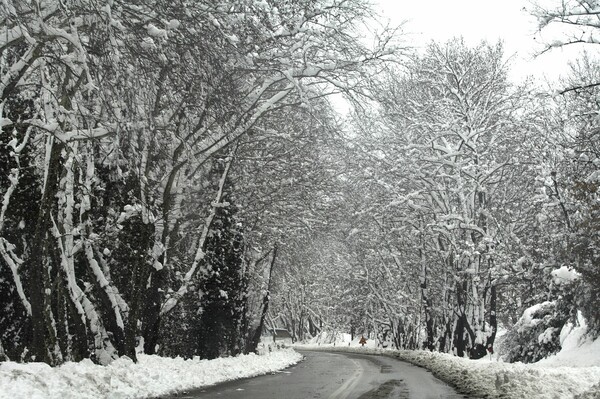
337,375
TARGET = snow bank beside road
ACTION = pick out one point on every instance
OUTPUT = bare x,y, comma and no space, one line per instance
506,380
150,377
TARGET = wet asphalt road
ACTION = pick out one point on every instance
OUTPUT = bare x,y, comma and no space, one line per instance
335,376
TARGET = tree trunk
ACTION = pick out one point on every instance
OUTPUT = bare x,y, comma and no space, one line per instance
429,343
445,335
265,308
493,320
459,337
39,255
139,279
152,317
152,311
459,342
3,356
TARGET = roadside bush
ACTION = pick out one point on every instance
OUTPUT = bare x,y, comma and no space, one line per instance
535,336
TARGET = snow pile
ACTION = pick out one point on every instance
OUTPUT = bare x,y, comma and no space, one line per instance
150,377
510,380
572,373
576,349
564,275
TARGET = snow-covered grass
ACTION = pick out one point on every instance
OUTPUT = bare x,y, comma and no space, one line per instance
150,377
572,373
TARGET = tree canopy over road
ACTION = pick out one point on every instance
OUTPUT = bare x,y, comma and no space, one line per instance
175,179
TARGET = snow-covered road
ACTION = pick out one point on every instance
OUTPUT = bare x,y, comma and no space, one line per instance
336,376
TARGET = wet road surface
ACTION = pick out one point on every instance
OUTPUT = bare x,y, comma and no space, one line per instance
335,376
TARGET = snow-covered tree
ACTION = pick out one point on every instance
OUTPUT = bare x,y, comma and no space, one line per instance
140,101
448,161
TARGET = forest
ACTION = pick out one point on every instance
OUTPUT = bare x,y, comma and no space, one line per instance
177,178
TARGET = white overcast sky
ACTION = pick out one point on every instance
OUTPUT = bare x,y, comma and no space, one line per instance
476,20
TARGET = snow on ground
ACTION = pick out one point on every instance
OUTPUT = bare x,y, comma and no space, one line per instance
576,350
150,377
572,373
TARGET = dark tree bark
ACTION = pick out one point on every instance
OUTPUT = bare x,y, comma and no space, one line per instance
459,343
493,320
152,317
139,279
265,305
447,334
39,255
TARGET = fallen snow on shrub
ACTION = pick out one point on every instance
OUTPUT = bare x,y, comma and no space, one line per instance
150,377
564,275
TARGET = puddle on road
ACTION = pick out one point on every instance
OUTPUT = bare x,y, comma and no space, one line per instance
393,383
385,369
389,389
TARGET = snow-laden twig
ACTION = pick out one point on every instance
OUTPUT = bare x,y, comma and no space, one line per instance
72,135
6,248
17,71
14,173
13,263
